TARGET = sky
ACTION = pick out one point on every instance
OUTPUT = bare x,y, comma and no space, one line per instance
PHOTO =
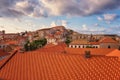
83,16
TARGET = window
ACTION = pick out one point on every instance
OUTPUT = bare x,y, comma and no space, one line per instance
96,47
75,46
83,46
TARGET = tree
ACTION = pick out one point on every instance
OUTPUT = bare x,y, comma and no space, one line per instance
89,47
43,41
68,41
71,31
35,44
26,46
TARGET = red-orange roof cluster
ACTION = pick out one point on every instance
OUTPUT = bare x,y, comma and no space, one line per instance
114,53
94,51
54,48
41,66
94,43
3,53
107,40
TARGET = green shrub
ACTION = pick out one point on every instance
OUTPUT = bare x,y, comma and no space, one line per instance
35,44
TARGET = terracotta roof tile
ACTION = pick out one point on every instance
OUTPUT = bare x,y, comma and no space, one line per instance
56,48
47,64
79,42
107,40
12,42
95,51
114,53
41,66
2,61
94,43
58,33
49,45
3,53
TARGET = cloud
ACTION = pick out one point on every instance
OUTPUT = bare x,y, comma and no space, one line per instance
91,29
43,26
96,25
5,9
99,18
110,17
53,24
11,28
84,27
64,23
79,7
45,8
114,29
99,30
19,8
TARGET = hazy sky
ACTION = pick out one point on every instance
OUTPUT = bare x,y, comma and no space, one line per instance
84,16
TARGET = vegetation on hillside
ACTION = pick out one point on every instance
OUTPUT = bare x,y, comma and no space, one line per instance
35,44
68,41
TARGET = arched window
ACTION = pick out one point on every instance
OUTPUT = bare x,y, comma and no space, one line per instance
75,46
83,46
96,47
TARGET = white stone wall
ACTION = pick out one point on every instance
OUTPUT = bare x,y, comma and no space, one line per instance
52,40
96,46
112,45
83,46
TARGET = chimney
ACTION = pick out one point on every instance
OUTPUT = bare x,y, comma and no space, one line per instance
87,54
3,31
119,48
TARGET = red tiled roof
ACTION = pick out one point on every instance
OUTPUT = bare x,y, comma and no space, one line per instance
57,48
58,33
12,42
2,53
82,41
107,40
2,61
95,51
11,34
114,53
94,43
49,45
40,66
50,36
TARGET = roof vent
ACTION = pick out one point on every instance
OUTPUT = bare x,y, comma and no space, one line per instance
87,54
119,48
